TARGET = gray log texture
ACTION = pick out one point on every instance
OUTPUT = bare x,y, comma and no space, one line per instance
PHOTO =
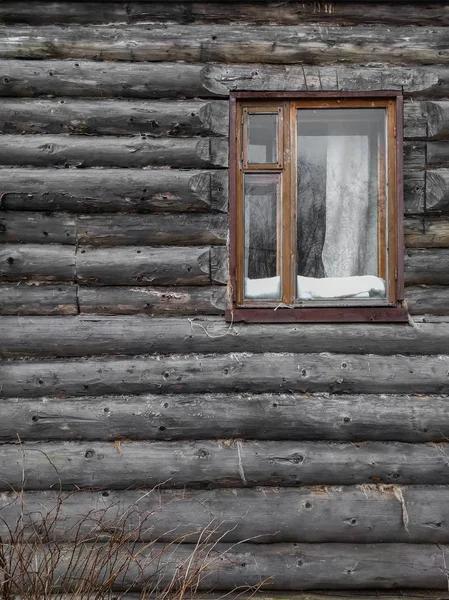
437,154
174,80
222,43
237,372
321,514
221,567
35,228
217,416
426,232
37,262
25,299
111,190
257,13
152,230
219,463
427,300
93,335
437,191
121,117
117,300
415,155
414,192
438,120
81,151
144,266
427,266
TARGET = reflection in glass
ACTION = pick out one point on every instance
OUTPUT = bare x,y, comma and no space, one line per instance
261,219
262,138
341,192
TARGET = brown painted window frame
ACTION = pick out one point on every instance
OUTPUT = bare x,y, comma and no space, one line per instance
394,310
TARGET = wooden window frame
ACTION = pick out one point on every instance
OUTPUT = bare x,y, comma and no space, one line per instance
392,309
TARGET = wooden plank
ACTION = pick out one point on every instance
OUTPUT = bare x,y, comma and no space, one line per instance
173,80
415,155
24,299
283,44
277,416
427,300
110,190
142,335
35,228
220,567
236,372
415,120
116,300
414,192
325,514
437,191
219,463
423,232
257,13
36,262
115,117
152,230
145,266
430,267
81,151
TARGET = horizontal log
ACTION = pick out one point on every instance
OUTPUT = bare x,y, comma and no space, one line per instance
415,155
152,230
414,191
427,300
437,191
257,13
437,154
81,151
36,262
117,117
174,80
415,120
429,267
355,514
151,266
236,372
35,228
222,43
221,567
24,299
110,190
218,463
143,335
176,301
438,120
426,232
216,416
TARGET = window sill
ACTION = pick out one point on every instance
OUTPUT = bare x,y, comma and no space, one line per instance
359,314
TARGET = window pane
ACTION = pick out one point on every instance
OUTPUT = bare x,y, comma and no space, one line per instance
341,223
262,138
262,267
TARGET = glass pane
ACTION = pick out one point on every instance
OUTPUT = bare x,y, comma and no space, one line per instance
262,138
262,260
341,224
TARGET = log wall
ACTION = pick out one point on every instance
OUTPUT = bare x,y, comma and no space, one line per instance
307,457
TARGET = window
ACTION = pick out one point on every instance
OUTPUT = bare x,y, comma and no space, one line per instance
316,207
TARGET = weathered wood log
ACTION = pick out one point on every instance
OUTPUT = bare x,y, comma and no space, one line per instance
116,300
355,514
109,190
35,228
173,80
93,335
218,463
81,151
422,232
257,13
429,267
254,416
221,567
415,155
152,230
120,117
24,299
236,372
438,120
437,191
437,154
35,262
152,266
222,43
427,300
415,120
414,192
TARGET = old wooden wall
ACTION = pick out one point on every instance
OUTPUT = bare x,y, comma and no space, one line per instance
319,453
